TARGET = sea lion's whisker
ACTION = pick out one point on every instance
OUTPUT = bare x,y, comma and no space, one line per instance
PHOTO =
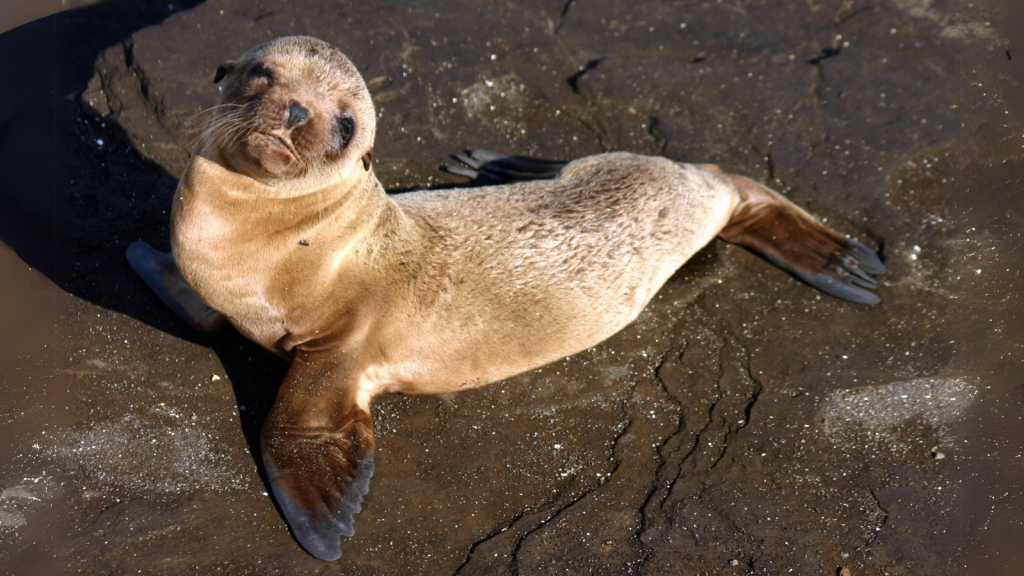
212,109
227,129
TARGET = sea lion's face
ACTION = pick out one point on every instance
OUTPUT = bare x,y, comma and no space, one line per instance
293,110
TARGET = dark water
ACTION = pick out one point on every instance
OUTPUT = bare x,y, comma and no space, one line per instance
743,424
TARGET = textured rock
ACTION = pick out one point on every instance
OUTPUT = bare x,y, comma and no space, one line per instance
743,424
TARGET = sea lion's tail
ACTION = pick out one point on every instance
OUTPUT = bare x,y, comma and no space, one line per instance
771,226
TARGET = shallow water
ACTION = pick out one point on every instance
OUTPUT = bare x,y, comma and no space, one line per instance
743,424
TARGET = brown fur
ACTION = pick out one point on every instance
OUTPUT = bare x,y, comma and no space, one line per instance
768,224
297,244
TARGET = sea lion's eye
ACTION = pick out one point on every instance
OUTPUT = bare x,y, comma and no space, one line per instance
346,129
260,71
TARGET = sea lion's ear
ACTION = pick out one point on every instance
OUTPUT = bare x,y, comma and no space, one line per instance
224,69
367,158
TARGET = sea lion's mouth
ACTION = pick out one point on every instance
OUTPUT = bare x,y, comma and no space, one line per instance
287,145
273,153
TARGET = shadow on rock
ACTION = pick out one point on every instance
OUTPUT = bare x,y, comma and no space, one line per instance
75,191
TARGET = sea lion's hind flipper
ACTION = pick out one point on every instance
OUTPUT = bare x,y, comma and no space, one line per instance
486,167
868,260
317,447
161,274
778,230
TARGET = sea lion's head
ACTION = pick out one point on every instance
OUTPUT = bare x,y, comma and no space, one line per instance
292,110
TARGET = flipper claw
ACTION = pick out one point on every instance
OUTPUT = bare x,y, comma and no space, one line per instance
866,258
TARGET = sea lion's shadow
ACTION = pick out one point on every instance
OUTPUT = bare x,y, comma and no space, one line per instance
76,236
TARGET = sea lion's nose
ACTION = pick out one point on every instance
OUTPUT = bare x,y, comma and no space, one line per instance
297,115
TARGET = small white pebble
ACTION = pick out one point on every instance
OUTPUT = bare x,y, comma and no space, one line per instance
214,378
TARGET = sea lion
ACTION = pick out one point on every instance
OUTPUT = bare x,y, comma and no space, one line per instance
280,226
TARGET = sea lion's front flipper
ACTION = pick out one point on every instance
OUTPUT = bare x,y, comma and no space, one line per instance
317,446
486,167
161,274
775,228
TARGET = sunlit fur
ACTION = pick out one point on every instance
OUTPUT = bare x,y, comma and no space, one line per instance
247,131
296,243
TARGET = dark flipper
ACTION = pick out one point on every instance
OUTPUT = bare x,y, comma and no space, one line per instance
161,274
317,447
319,483
486,167
775,228
869,261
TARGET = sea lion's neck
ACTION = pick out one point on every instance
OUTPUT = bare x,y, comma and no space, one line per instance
249,209
244,250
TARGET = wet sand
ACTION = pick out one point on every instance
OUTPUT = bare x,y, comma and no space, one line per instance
744,424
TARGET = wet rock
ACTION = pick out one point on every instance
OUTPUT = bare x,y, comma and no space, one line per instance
743,422
160,452
874,412
17,492
11,519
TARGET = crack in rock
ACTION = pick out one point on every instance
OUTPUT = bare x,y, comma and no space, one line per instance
562,15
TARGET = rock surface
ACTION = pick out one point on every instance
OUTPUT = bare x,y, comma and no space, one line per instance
744,424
